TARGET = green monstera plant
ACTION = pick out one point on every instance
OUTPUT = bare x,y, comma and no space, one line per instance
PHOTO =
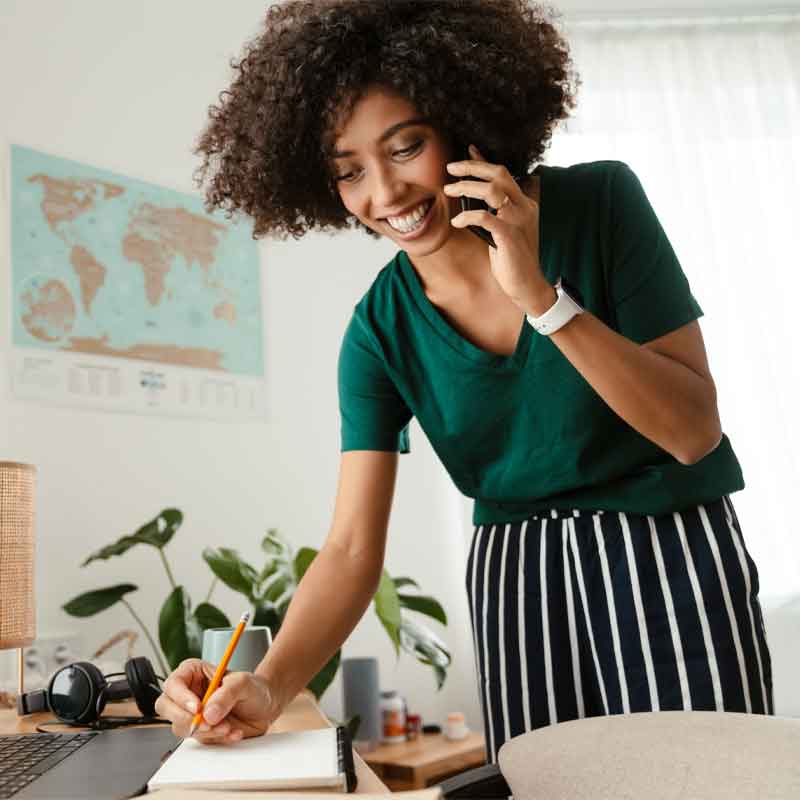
268,590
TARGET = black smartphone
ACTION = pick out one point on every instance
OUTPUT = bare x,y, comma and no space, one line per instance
476,204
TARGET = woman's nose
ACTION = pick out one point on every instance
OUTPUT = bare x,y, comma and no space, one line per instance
387,188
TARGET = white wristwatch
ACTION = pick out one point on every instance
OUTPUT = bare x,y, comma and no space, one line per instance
558,315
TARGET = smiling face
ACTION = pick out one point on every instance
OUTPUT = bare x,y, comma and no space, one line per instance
390,167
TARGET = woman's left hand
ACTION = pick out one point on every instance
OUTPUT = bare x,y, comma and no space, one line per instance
515,229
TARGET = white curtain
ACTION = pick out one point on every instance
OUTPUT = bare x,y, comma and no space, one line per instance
706,111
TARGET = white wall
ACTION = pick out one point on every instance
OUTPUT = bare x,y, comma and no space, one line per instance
125,87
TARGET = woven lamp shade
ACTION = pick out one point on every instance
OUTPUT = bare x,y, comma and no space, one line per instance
17,522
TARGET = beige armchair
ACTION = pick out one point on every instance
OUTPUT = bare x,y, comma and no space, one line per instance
665,755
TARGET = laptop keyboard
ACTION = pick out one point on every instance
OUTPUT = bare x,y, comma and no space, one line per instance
24,757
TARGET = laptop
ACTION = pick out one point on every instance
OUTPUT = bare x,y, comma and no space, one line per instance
91,765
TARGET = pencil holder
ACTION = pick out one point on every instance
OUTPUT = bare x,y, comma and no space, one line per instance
252,647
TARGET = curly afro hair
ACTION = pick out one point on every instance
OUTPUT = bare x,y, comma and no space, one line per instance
495,71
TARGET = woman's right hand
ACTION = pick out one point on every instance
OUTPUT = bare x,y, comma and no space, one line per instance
244,704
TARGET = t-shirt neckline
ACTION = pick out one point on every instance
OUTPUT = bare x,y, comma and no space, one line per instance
451,335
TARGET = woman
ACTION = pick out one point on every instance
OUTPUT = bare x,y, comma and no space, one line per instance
559,372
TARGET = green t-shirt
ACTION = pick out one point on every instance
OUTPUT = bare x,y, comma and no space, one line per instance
526,432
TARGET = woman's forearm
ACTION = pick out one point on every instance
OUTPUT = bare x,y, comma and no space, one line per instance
657,396
331,598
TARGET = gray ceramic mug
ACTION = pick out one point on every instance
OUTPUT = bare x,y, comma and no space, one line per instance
252,647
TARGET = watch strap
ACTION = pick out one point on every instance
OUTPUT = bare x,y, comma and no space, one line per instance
558,315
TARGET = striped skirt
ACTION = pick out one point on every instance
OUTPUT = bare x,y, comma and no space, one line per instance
579,614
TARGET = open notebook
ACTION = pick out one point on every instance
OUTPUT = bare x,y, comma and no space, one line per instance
314,759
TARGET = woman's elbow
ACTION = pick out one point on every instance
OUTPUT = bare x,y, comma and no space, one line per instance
702,446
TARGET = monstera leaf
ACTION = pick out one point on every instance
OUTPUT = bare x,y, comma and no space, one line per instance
387,607
232,570
209,616
426,647
399,583
322,680
423,605
277,580
156,533
91,603
180,631
173,635
303,561
267,615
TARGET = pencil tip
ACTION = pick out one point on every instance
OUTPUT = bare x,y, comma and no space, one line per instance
192,730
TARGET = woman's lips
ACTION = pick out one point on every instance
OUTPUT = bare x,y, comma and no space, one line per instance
422,224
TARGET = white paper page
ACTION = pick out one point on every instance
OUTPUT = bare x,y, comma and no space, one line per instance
296,758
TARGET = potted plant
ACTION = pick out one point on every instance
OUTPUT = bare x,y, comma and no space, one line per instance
268,590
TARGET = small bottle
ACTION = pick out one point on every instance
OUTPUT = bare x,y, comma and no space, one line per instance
413,726
456,726
394,717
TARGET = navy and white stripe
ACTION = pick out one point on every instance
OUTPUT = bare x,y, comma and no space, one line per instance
579,614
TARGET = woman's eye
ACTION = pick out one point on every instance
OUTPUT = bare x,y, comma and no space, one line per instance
403,153
348,178
407,151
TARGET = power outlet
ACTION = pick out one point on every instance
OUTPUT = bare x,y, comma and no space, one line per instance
49,653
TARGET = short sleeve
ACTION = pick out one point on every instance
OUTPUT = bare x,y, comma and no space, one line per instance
373,414
648,289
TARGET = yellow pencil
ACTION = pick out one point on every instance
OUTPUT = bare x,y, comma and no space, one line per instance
221,667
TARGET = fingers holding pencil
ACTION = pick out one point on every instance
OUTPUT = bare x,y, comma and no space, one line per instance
188,682
182,694
182,720
239,709
244,705
220,671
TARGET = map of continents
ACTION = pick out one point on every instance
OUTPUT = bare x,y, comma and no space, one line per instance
111,266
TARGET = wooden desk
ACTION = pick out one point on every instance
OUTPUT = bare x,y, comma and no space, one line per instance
426,760
302,714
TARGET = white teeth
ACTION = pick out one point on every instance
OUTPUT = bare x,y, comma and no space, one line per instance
409,222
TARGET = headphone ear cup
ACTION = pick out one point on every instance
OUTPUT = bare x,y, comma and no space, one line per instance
90,710
144,684
99,682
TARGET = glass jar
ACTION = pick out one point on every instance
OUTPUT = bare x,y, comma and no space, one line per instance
394,717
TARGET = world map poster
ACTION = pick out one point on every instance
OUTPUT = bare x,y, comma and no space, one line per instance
126,295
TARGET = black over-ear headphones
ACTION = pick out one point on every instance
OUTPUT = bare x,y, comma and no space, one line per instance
78,693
